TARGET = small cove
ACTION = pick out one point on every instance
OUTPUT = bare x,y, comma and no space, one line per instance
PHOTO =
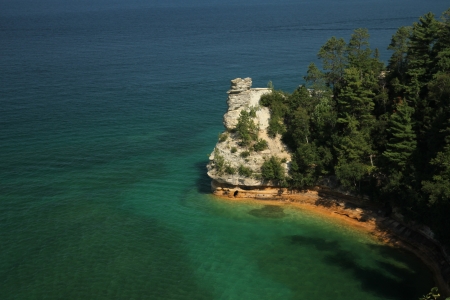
313,256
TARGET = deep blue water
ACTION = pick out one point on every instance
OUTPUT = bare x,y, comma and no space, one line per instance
108,111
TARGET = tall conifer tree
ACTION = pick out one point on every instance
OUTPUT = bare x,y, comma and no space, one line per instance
402,139
334,60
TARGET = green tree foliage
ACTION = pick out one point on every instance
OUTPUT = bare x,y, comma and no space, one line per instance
437,190
223,137
299,126
324,116
358,51
246,128
421,60
355,101
219,161
301,97
399,46
350,174
353,141
334,60
276,102
272,169
245,171
260,145
421,55
402,138
353,146
315,77
308,164
439,187
230,170
244,154
276,125
320,96
380,131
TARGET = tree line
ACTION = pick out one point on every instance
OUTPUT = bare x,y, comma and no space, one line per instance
381,130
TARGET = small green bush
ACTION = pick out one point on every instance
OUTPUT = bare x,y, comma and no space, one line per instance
233,150
244,171
245,154
276,125
219,161
252,112
260,145
257,176
230,170
223,137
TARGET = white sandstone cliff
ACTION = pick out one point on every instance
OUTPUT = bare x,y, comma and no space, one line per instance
242,97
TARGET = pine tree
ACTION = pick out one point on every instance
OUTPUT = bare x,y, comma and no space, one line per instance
301,97
421,60
246,128
420,56
350,173
442,45
402,139
315,77
334,60
439,187
299,126
358,51
438,191
397,63
355,100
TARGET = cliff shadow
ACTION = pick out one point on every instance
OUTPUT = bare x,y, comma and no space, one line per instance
202,181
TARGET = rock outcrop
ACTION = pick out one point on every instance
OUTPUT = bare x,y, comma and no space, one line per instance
229,155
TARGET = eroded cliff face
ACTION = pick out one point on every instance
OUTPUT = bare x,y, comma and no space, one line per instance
229,155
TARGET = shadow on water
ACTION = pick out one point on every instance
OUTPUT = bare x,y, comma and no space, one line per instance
296,262
268,211
202,182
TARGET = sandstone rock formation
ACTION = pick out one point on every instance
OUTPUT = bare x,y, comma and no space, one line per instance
229,149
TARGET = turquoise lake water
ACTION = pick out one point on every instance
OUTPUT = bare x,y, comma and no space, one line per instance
108,112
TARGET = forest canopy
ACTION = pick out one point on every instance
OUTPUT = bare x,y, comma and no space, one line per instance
381,130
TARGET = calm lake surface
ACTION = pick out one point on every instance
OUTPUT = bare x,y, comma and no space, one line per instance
108,112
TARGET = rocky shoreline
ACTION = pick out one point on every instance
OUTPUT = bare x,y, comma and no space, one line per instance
358,213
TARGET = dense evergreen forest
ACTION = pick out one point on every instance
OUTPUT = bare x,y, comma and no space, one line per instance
382,131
